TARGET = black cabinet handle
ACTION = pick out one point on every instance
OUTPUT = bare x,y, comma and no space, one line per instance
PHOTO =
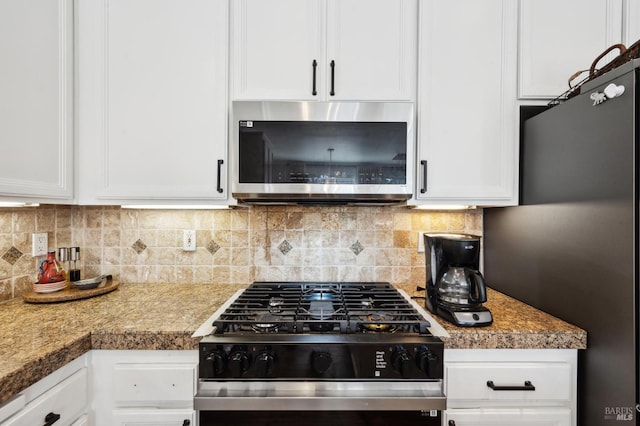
527,387
423,163
314,64
186,422
451,423
333,78
220,163
51,418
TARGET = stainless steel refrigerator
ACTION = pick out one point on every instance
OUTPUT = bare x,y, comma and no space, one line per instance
571,247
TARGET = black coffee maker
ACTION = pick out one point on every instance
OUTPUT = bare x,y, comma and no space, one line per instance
455,288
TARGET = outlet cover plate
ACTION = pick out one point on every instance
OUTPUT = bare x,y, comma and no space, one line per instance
39,244
189,240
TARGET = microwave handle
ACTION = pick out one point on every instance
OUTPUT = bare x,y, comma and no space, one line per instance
314,64
423,163
220,163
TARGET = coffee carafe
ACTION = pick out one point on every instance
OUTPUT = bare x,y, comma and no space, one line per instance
455,287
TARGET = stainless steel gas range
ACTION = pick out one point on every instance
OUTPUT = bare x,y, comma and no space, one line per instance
321,353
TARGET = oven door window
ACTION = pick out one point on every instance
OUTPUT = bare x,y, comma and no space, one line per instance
320,418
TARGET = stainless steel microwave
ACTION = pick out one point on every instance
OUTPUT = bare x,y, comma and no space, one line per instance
322,152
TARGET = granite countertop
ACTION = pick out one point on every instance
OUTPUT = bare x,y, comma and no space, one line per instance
516,325
37,339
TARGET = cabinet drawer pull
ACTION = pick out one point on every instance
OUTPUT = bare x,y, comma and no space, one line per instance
51,418
314,64
527,387
186,422
333,78
451,423
220,163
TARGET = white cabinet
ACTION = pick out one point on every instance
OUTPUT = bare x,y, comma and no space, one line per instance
631,23
61,397
467,126
323,49
510,387
146,417
82,421
152,101
143,387
559,37
36,100
508,417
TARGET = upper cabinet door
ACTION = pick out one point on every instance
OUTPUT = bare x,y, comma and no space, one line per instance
631,22
152,100
467,137
36,100
277,49
371,49
560,37
323,49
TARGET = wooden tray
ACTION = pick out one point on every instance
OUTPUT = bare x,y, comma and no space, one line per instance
70,293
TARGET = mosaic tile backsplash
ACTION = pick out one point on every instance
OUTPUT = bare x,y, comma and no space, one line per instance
233,246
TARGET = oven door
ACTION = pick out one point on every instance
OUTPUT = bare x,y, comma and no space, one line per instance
334,403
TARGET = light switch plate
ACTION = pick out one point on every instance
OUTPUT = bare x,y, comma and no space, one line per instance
189,240
39,244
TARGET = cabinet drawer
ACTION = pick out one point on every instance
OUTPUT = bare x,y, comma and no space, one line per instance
154,383
508,417
155,417
12,406
67,399
469,381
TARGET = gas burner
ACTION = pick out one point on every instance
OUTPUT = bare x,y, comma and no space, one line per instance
367,303
265,322
378,321
275,304
321,310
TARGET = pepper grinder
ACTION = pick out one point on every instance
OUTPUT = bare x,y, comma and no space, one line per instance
74,256
63,257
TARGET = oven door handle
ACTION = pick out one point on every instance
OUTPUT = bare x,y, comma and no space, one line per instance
320,396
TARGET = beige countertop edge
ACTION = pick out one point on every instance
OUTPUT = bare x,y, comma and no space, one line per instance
102,335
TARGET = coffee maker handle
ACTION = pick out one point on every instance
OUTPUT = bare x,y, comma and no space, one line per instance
478,292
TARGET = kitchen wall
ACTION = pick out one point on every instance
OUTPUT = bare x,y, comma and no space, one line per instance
233,246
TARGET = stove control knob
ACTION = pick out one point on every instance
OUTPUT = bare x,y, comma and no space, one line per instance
264,363
238,362
320,362
427,361
400,360
214,363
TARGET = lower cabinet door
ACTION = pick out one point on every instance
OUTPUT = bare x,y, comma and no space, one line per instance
154,417
508,417
61,404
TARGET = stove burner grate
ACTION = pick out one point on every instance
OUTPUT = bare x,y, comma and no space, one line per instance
290,307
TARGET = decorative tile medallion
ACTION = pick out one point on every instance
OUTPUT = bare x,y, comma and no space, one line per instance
12,255
213,247
139,246
356,248
285,247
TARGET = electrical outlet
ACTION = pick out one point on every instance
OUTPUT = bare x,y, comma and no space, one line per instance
189,240
421,242
39,244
